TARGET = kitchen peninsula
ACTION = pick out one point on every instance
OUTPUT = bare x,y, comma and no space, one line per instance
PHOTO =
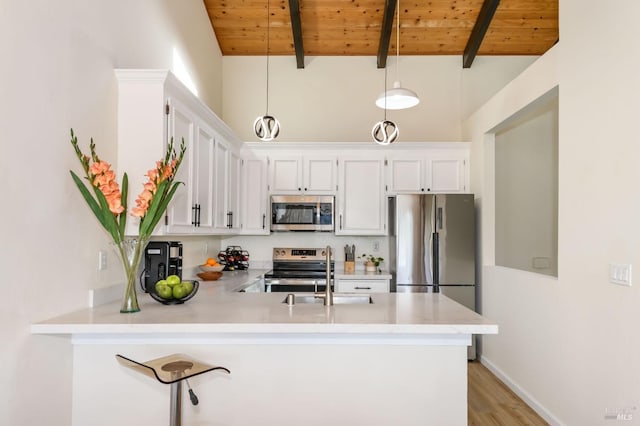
400,360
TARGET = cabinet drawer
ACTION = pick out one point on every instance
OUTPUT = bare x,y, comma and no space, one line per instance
363,286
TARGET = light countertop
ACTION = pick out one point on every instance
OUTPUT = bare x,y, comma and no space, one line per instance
218,310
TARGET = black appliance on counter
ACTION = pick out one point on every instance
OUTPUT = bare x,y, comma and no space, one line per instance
161,259
298,270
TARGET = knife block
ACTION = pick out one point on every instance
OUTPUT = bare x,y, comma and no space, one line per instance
349,267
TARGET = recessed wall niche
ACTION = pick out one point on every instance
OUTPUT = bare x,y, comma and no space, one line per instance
526,188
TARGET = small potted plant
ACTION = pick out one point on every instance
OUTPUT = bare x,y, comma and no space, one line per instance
371,262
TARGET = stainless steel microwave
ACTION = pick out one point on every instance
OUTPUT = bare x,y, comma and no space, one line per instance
302,212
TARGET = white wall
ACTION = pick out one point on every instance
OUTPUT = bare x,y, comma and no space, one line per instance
526,188
58,60
332,98
569,344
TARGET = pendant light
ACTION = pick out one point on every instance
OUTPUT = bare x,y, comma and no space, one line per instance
385,132
398,97
267,126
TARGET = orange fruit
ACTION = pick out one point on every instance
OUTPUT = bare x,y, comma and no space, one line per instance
211,262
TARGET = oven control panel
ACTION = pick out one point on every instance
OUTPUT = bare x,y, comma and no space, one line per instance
299,254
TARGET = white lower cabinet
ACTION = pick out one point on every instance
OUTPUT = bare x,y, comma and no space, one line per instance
362,286
361,199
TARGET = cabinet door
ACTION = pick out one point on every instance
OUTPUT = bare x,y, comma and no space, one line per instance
221,186
446,174
180,212
285,175
254,197
319,175
361,197
405,175
234,184
204,179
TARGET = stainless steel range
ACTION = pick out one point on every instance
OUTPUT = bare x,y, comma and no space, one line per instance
298,270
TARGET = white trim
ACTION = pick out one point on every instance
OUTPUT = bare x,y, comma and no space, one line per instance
522,393
273,339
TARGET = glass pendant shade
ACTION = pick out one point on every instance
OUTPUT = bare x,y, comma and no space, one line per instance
397,98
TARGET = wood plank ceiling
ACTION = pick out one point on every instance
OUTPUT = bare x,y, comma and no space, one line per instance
355,27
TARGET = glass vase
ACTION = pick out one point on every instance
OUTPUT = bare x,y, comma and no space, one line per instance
130,253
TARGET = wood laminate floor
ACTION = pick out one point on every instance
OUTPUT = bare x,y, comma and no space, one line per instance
492,403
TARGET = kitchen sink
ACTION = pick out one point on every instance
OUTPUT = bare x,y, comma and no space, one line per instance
338,299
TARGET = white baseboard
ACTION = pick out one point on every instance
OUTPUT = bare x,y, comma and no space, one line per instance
522,394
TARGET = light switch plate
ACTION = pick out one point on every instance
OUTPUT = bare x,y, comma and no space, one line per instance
620,273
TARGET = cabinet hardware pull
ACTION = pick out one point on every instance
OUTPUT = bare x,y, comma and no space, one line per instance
299,189
198,216
194,214
264,217
362,288
229,219
340,221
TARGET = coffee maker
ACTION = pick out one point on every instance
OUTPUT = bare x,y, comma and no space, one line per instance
161,259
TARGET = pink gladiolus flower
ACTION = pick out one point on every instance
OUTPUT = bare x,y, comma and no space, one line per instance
105,181
138,212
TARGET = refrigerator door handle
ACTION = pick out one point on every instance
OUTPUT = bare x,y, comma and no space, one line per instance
439,219
436,263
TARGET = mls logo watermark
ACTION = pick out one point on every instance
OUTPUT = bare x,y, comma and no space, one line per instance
624,413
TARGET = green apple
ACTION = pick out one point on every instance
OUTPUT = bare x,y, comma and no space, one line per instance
173,280
164,291
161,282
188,285
179,291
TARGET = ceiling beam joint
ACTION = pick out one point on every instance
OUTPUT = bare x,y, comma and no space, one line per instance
296,28
479,30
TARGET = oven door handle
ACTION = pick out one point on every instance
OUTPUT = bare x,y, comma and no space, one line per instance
292,281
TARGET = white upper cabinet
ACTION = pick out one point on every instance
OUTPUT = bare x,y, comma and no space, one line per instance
308,174
153,107
226,189
413,172
191,210
255,202
361,200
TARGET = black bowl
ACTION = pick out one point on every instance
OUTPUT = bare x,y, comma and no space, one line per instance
155,296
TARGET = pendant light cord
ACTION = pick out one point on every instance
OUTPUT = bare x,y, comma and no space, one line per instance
385,93
268,38
397,40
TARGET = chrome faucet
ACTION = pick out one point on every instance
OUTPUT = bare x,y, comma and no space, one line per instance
328,294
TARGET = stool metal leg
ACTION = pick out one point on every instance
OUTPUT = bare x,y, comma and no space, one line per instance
176,404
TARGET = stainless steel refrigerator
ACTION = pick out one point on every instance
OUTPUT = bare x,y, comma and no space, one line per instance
432,246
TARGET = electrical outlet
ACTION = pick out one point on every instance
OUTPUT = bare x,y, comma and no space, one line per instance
102,260
620,273
376,246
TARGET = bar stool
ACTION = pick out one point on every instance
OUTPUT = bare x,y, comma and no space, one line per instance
172,370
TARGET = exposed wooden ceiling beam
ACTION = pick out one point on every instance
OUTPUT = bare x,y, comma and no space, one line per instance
296,28
385,32
479,30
